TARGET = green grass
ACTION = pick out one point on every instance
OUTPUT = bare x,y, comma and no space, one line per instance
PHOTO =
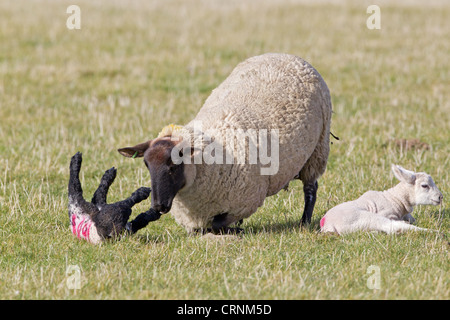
137,66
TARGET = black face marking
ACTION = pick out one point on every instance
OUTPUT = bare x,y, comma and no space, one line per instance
167,177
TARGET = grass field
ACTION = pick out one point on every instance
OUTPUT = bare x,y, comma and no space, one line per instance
135,66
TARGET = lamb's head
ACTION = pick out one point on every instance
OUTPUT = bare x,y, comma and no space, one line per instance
168,174
423,188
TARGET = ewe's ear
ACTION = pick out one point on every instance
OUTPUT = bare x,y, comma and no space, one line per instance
403,175
135,152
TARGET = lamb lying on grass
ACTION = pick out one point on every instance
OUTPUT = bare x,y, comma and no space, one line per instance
384,210
95,221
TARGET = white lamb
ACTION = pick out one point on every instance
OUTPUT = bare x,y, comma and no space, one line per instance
384,210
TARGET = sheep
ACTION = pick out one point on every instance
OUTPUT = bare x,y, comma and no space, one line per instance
384,210
273,97
95,221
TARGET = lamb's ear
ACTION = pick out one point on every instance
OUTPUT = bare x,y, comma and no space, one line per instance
135,152
404,175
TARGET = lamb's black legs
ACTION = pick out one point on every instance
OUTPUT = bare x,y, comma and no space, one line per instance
310,190
139,195
142,220
109,219
75,191
113,218
101,193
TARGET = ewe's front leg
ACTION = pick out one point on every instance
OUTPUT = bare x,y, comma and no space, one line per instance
221,222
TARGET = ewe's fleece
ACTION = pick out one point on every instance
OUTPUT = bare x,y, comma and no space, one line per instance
169,130
271,91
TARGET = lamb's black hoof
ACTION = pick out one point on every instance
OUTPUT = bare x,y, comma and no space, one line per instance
110,174
141,194
75,162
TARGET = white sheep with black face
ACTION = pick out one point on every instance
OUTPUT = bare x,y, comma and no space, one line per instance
280,95
384,210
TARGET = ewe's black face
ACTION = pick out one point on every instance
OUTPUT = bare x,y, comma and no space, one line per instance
167,178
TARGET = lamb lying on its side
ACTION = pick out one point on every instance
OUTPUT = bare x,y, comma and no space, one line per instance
384,210
95,221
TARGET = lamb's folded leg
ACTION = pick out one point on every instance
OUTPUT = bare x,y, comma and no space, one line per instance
310,190
363,220
395,226
101,193
409,218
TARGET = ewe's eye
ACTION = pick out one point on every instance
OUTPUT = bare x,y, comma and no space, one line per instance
425,186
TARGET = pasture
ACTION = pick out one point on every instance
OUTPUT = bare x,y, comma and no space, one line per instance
136,66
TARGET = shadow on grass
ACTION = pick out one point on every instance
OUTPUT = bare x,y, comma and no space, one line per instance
282,227
161,234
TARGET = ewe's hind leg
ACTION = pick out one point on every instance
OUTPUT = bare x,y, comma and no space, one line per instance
101,193
312,170
310,191
309,174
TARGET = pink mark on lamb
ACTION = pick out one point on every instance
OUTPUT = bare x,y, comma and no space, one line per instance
322,222
81,226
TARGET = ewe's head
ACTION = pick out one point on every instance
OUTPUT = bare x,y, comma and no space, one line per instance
168,176
425,190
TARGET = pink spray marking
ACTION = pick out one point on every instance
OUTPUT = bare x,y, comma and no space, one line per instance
81,226
322,222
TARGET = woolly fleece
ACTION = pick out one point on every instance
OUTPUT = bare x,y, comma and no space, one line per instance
270,91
